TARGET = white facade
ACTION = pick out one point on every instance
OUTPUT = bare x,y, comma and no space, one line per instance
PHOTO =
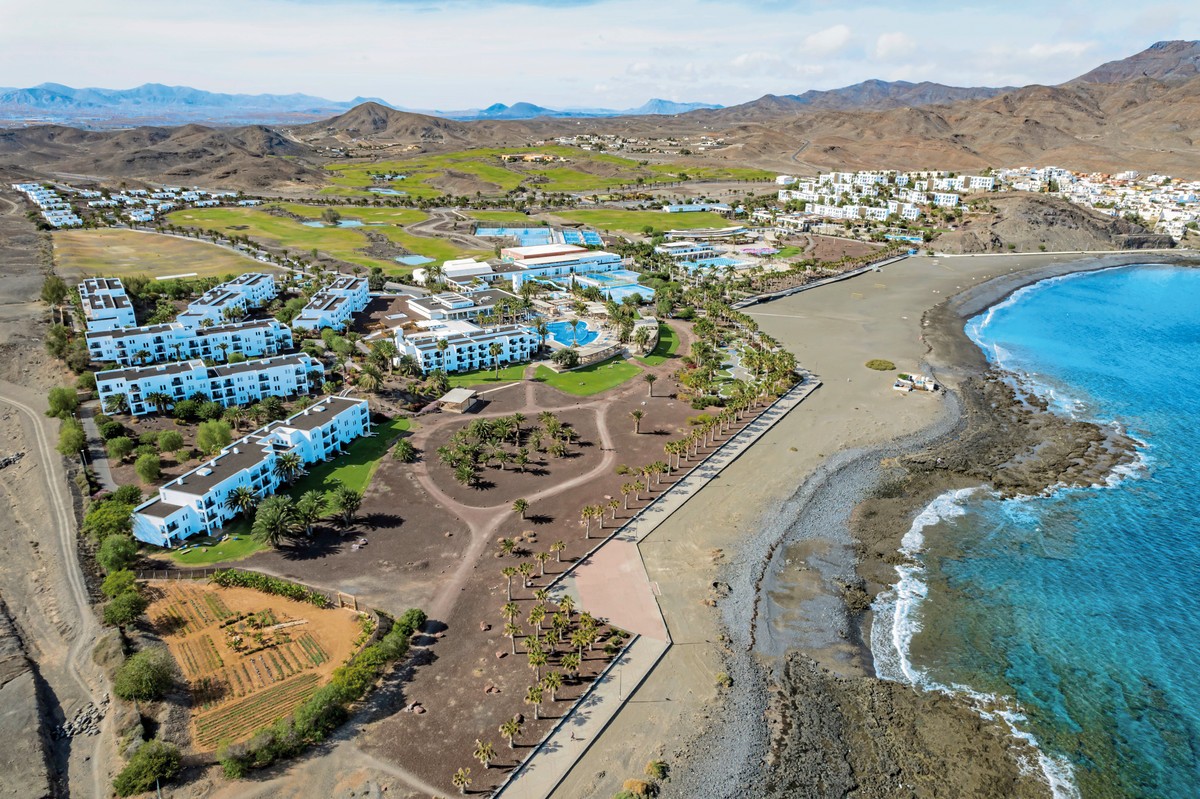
686,250
549,261
195,502
467,346
175,341
335,305
230,301
106,306
231,384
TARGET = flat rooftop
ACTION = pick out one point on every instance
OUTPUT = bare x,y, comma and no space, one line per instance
139,372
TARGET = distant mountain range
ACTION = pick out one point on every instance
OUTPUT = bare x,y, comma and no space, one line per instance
154,103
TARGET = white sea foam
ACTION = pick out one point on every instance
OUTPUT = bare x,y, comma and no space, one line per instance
897,621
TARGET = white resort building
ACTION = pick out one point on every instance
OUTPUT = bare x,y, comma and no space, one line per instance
230,301
195,502
468,346
106,306
228,384
549,261
176,341
335,305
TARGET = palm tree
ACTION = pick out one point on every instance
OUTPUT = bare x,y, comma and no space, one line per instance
586,515
511,631
288,466
510,730
537,614
626,490
636,415
642,338
241,500
484,752
510,611
541,559
235,415
542,329
274,519
534,697
159,400
552,682
509,572
613,504
116,403
650,378
517,420
461,780
526,570
521,459
571,663
369,379
557,547
567,604
519,507
309,509
346,502
537,659
579,639
494,350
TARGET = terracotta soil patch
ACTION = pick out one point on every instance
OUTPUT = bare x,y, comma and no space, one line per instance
832,248
248,658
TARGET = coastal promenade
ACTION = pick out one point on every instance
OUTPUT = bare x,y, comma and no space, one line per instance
611,582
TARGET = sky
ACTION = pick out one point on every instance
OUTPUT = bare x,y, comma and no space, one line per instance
457,54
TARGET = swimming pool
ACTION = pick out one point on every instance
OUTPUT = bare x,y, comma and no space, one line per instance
561,332
619,293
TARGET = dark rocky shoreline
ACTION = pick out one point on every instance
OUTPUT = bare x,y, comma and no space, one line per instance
809,718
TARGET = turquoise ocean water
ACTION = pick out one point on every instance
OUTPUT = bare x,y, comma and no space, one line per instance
1077,614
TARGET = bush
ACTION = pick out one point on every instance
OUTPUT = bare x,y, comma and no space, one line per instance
404,451
117,552
148,467
145,676
213,435
130,495
567,358
153,761
119,448
170,441
62,401
111,429
118,582
110,517
71,438
86,382
880,365
124,610
186,410
269,585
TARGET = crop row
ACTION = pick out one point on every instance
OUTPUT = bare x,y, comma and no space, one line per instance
311,648
217,606
236,719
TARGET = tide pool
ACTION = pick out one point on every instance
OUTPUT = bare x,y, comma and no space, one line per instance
1078,611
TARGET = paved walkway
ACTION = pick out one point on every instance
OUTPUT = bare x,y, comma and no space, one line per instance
97,455
611,582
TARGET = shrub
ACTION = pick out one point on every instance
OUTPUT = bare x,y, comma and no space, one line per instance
153,761
145,676
119,448
404,451
148,467
186,410
118,582
117,552
62,401
123,610
110,517
111,429
71,438
130,495
880,365
86,382
148,439
657,770
213,435
567,358
269,585
170,441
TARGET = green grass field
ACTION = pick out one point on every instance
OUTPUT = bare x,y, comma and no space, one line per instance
354,470
486,377
668,344
345,244
636,221
122,253
583,171
590,379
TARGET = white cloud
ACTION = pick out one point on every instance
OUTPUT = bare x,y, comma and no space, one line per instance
893,45
826,42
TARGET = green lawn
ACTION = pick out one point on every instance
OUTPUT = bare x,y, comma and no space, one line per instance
345,244
483,377
354,470
788,252
668,343
590,379
636,221
583,171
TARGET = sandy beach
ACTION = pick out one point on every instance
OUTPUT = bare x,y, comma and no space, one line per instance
779,519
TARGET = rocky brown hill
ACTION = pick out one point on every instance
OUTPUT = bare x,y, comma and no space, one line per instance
1027,222
1176,61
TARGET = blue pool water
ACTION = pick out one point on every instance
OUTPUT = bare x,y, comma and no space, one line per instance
525,236
1080,608
561,332
414,260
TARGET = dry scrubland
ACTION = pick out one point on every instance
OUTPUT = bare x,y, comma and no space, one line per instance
121,253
